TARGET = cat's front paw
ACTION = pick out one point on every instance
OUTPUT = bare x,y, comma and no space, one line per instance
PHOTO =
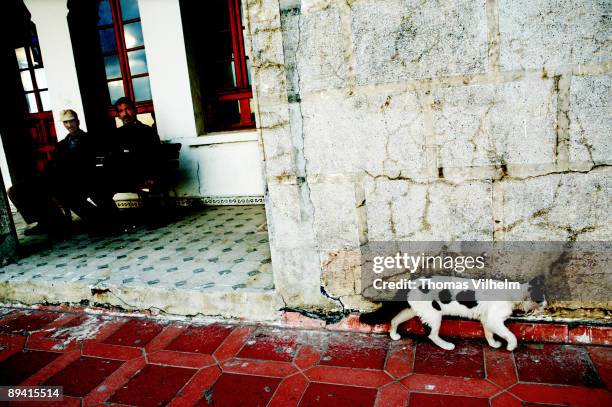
394,335
511,346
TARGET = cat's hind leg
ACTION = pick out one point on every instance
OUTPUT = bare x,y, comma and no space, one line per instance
489,335
500,329
434,321
403,316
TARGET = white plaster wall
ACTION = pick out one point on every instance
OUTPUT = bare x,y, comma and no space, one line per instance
56,48
165,49
220,165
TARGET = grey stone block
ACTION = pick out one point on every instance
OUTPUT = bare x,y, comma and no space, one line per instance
537,33
406,39
402,210
378,134
590,117
558,207
511,123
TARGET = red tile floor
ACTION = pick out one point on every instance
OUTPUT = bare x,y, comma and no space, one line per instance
110,360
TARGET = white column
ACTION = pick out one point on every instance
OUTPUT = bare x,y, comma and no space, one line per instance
165,49
50,17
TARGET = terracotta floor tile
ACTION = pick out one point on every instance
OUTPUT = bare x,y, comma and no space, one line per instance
331,395
466,360
82,375
290,391
506,400
28,322
401,358
556,364
393,395
22,365
439,400
348,376
200,382
270,345
10,344
358,351
500,367
181,359
602,359
74,322
233,343
154,385
103,350
450,385
259,367
135,332
200,339
308,356
562,395
234,390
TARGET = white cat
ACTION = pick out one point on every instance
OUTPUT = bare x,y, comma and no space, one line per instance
466,303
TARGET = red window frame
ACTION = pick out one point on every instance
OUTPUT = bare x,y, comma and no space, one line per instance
145,106
40,123
242,92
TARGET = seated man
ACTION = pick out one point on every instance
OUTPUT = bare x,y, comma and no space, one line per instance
66,183
134,151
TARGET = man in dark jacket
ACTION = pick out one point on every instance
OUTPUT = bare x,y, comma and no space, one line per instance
135,148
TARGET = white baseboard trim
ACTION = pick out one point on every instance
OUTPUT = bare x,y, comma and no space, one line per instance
198,201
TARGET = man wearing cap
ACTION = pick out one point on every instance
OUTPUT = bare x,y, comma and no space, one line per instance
70,171
66,184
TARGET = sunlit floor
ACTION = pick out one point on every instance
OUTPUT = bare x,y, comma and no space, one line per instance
222,247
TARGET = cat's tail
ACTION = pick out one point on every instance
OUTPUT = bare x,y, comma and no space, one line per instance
387,311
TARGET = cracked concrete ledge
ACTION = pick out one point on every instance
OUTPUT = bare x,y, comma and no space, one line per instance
254,305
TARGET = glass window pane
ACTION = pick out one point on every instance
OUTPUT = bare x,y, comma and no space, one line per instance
111,65
46,100
35,56
104,13
129,9
252,107
115,90
138,62
228,113
31,100
223,72
220,45
26,80
133,35
218,17
41,78
142,90
248,68
22,60
107,40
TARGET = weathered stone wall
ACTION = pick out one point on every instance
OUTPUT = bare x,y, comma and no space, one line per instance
427,120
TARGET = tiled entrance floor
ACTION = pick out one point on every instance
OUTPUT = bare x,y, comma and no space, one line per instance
222,247
212,261
103,359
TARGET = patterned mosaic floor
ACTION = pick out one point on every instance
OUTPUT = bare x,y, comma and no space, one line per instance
108,360
222,247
